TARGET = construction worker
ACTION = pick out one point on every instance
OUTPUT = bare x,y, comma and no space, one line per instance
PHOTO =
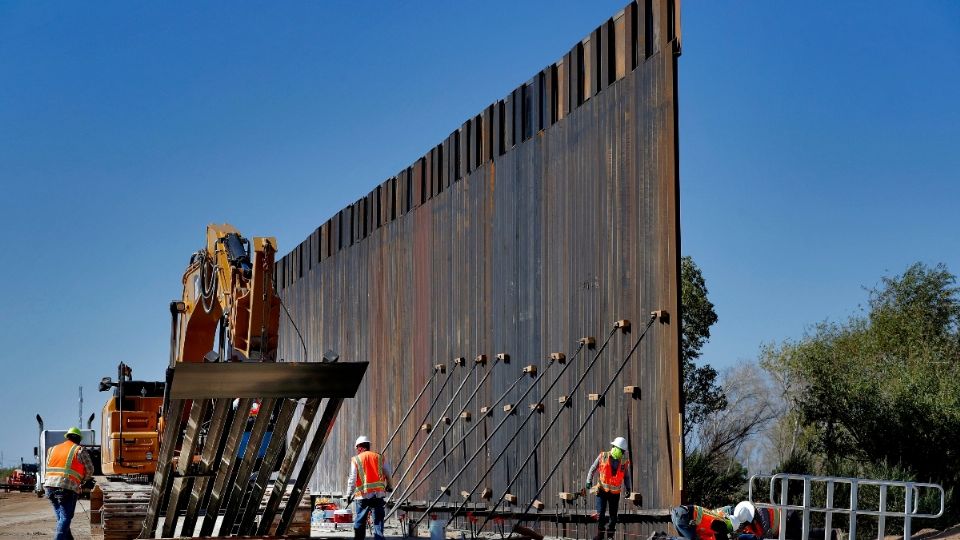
614,473
68,467
699,523
367,485
752,523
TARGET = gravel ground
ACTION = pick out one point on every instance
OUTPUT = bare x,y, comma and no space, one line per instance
24,515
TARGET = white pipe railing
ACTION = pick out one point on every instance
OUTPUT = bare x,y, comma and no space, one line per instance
911,507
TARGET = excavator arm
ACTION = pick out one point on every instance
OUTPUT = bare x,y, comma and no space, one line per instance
228,284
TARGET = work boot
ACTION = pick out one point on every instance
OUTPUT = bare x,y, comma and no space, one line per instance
360,534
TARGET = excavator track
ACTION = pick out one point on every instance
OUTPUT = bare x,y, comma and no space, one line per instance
118,508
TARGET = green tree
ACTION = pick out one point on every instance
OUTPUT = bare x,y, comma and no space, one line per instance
702,395
881,390
712,475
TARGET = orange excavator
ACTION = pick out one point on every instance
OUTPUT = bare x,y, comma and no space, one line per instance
229,312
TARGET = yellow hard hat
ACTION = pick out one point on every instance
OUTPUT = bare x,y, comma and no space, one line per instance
73,431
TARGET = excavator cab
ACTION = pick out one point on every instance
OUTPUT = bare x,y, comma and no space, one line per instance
130,427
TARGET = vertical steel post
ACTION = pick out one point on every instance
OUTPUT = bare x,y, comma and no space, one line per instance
907,510
828,517
854,496
882,518
784,499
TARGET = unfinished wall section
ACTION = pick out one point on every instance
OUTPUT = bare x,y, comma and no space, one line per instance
546,217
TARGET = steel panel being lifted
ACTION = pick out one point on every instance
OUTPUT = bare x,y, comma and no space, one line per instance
542,219
198,389
266,380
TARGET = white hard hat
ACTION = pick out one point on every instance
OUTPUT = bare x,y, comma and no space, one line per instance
620,443
743,513
361,440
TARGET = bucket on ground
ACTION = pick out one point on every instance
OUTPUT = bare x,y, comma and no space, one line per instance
438,529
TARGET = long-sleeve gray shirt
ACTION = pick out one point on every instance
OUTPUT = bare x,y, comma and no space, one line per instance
614,464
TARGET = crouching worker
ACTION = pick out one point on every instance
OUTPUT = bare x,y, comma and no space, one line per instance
752,523
614,472
699,523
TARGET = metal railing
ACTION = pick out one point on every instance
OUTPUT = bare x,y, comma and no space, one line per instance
910,511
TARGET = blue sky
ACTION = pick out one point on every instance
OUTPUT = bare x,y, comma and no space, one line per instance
819,145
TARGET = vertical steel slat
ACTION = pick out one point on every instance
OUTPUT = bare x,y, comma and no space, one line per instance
161,478
509,139
211,448
882,518
907,510
300,434
784,498
274,448
242,478
497,131
828,518
228,461
518,114
330,413
854,497
198,410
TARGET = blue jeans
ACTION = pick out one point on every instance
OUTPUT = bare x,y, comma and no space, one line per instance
64,503
681,520
607,503
363,508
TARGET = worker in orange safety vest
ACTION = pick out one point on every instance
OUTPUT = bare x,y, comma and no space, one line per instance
367,485
699,523
68,467
613,468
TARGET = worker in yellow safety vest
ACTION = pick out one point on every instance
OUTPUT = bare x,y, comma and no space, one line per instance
367,486
68,467
613,468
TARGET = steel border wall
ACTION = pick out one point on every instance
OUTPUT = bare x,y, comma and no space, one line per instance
544,218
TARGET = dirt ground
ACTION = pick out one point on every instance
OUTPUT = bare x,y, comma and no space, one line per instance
24,515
